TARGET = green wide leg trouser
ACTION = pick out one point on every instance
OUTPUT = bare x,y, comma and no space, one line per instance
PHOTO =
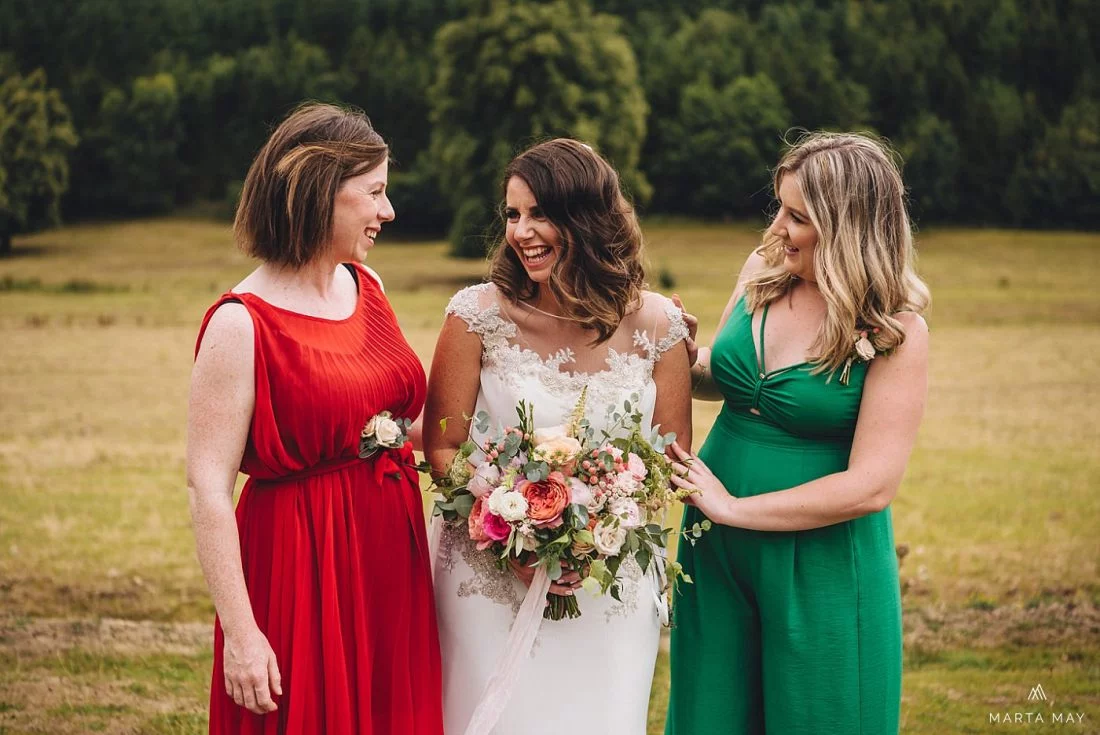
785,633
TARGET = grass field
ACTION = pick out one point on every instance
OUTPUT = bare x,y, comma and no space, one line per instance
104,617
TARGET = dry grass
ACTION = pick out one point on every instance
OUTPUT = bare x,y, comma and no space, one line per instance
1000,508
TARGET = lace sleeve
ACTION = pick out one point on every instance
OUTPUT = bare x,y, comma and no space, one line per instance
677,328
476,306
669,330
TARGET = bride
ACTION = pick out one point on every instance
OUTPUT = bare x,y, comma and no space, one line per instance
564,309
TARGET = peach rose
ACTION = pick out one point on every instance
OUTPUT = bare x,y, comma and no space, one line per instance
477,533
546,500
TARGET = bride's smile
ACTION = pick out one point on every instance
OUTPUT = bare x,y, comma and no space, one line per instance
534,238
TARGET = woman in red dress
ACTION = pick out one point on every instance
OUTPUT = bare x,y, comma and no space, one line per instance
322,584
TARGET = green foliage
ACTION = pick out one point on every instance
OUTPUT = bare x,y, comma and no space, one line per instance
985,83
391,72
932,158
799,58
36,135
516,74
718,150
1058,184
232,103
138,142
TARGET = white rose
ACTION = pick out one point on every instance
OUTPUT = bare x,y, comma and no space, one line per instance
368,430
513,506
627,511
541,436
495,499
609,539
387,431
865,349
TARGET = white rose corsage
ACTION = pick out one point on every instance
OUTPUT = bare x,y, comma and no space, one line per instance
863,350
383,431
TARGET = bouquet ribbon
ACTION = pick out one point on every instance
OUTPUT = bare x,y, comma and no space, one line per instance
498,690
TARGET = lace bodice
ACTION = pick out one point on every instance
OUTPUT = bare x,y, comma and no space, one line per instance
538,365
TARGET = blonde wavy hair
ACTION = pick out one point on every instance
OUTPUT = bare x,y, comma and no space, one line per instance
600,275
864,260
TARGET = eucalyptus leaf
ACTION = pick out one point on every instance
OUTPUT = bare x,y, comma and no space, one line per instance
553,571
463,504
577,517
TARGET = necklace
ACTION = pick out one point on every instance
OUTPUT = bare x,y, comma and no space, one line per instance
532,307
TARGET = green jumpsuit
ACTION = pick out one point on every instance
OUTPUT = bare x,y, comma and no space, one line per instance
784,632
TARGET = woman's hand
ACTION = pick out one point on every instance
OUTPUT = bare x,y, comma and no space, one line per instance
565,585
251,672
712,497
693,329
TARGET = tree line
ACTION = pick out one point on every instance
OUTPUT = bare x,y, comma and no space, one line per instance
128,107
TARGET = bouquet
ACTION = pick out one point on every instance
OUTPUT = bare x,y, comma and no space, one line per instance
568,500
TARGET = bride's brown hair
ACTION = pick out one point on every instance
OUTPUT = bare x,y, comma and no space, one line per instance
599,277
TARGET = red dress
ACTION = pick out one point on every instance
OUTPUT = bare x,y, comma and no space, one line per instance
334,547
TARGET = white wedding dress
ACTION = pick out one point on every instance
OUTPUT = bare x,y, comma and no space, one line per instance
590,674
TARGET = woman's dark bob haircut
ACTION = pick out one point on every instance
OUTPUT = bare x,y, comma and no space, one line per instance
285,213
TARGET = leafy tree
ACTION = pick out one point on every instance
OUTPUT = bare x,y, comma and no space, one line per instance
514,74
1058,183
716,129
720,147
36,136
932,158
391,73
229,104
138,144
800,60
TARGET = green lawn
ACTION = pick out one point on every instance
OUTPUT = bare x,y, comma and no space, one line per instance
999,511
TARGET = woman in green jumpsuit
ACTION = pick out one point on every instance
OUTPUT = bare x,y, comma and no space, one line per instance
793,622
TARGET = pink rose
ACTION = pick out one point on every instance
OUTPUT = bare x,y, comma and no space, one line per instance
580,492
485,478
546,500
495,526
636,466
